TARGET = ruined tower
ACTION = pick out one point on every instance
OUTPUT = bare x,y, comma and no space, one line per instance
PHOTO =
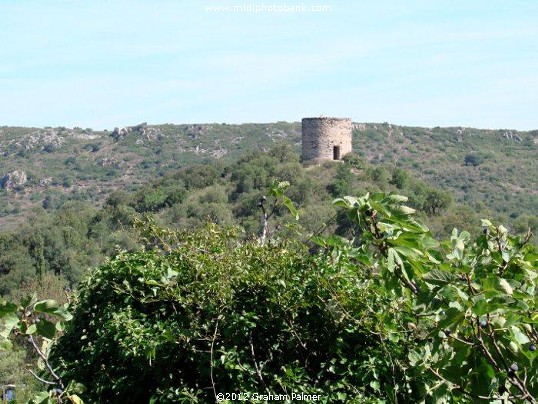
325,138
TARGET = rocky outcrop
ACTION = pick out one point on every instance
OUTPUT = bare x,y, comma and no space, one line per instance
146,133
512,136
45,181
120,133
108,162
46,139
14,179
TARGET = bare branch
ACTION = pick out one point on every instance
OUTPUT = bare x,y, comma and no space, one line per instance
41,379
47,363
211,358
258,371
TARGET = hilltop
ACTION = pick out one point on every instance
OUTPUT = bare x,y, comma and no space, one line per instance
494,170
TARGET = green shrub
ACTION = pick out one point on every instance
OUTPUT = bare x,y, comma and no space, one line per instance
217,315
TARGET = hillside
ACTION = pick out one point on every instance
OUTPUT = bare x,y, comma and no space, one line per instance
495,167
491,170
43,166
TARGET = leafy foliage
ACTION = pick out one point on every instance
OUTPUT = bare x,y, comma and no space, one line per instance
474,303
216,314
391,315
87,165
36,324
415,326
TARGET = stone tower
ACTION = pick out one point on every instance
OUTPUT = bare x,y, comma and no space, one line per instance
326,138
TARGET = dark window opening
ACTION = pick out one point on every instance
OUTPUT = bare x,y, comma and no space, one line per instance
336,153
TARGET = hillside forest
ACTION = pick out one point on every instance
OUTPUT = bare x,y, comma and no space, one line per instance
81,209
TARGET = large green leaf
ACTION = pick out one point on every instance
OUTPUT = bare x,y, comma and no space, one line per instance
42,397
395,198
392,259
10,320
408,252
406,210
438,277
46,329
519,336
29,300
505,286
75,399
291,207
7,307
52,307
452,317
31,329
480,307
346,202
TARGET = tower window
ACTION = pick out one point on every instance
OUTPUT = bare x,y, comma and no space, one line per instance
336,153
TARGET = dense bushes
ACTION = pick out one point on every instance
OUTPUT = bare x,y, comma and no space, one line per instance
73,235
390,315
216,315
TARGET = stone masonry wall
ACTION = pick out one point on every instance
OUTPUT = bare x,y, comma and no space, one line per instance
321,135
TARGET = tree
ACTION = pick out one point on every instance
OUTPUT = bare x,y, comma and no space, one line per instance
342,180
215,314
436,201
474,304
354,160
380,175
473,160
389,315
199,176
400,178
151,200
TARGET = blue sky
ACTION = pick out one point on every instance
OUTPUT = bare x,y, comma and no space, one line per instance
102,64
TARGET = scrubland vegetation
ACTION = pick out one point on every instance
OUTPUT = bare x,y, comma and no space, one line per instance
171,296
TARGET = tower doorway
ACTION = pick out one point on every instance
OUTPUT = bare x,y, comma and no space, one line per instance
336,153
